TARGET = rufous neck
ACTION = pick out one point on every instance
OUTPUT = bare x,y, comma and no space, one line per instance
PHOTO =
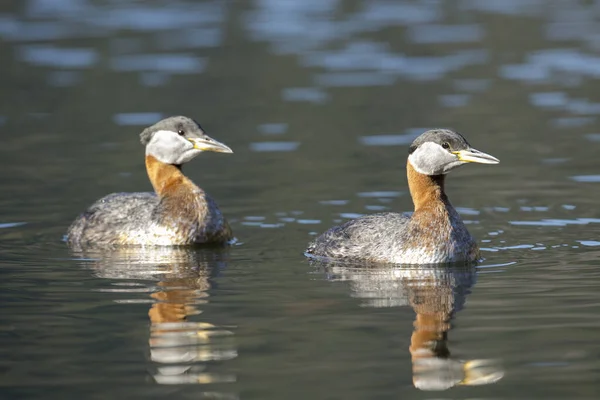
425,189
164,177
429,336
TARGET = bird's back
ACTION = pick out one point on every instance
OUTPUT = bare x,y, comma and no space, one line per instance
112,218
147,219
399,239
364,238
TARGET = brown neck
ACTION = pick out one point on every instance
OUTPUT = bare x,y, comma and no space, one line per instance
430,336
164,177
425,189
177,300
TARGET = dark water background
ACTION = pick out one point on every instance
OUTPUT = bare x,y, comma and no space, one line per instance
319,100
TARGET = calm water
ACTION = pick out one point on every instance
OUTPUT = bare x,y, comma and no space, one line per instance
319,100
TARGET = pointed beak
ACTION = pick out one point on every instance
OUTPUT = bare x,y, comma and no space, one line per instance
475,156
209,144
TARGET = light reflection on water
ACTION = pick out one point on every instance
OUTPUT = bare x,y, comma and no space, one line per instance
388,140
305,94
273,128
51,56
182,347
436,294
385,55
306,29
137,119
274,146
586,178
181,27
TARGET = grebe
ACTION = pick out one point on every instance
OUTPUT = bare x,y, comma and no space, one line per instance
433,234
179,213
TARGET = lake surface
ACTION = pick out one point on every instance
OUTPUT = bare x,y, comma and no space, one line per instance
319,99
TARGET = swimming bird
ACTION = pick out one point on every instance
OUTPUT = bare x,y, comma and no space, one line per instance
433,234
177,213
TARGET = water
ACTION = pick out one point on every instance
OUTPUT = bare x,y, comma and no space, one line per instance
319,100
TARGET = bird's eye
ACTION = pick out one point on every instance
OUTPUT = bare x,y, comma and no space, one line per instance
181,132
446,145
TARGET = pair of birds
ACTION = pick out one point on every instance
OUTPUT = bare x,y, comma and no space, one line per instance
180,213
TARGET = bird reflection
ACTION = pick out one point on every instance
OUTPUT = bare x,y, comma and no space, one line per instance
181,349
436,293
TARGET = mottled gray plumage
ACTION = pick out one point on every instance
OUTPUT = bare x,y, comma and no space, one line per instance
106,219
395,238
139,218
434,234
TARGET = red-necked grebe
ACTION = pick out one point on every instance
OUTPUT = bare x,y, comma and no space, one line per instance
434,233
178,213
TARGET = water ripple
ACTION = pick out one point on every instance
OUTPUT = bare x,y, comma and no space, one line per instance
557,222
140,118
273,128
593,243
307,94
387,140
274,146
58,57
172,63
586,178
11,224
